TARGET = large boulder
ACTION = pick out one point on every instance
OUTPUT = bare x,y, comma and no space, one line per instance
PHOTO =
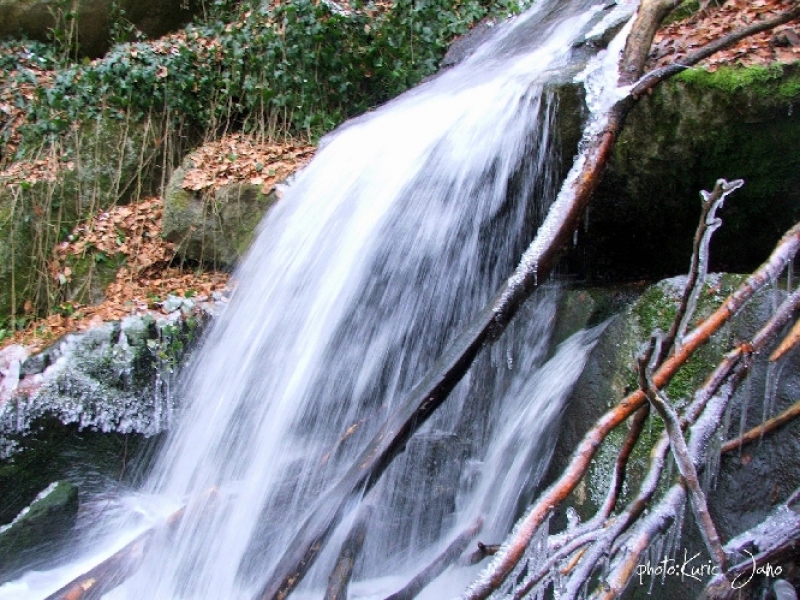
749,483
93,19
213,227
735,123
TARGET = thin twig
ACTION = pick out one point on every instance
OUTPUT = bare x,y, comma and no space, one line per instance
684,461
756,433
602,547
440,564
790,341
698,269
659,519
618,478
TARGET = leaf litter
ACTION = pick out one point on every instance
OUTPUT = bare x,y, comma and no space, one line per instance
133,230
780,45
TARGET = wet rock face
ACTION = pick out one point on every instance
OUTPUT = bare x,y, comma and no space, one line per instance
36,19
115,377
749,483
216,227
38,527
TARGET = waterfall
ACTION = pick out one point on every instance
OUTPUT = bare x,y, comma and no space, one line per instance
401,229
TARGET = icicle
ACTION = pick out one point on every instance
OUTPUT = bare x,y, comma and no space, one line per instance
573,519
713,456
712,224
748,391
771,388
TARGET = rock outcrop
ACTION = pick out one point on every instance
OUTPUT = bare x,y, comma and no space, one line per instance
92,19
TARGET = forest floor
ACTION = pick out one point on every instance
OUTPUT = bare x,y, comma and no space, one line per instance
152,271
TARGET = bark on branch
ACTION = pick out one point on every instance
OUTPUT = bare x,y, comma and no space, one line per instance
440,563
683,459
535,266
756,433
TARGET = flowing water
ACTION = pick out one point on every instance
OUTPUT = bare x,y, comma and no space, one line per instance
399,232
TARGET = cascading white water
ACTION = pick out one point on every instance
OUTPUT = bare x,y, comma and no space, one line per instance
400,230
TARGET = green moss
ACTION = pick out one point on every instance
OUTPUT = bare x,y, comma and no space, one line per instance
781,82
91,274
656,309
683,11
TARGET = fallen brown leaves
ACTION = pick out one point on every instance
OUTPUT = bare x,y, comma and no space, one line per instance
131,230
17,89
781,45
238,158
140,286
34,171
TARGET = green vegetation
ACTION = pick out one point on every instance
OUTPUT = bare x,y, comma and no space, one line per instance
777,81
114,128
296,68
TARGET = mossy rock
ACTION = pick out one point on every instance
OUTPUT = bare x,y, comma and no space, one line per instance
36,19
216,227
112,162
45,522
735,123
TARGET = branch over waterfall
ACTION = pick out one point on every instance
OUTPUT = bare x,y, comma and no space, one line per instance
576,553
538,261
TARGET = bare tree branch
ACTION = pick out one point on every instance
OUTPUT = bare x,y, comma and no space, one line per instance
756,433
440,564
339,578
684,461
698,269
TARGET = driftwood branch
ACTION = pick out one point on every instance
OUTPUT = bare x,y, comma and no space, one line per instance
774,540
339,578
621,463
483,551
684,461
698,268
648,19
789,342
440,563
114,570
756,433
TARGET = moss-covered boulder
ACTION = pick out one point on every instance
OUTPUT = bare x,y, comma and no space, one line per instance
748,484
44,523
107,161
213,227
735,123
92,19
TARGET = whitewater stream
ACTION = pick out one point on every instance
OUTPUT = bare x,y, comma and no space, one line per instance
402,228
